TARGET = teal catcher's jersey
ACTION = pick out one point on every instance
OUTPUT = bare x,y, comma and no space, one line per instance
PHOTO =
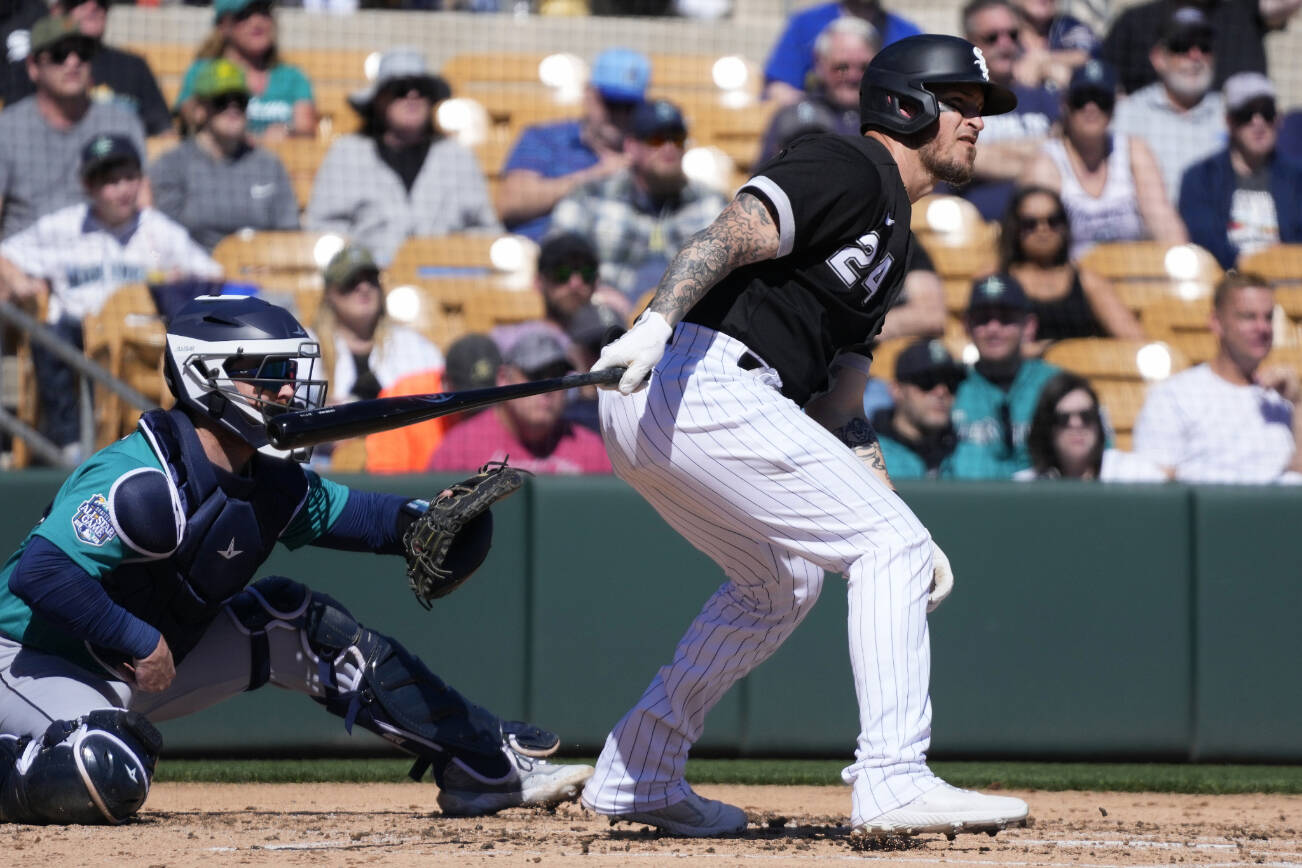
80,523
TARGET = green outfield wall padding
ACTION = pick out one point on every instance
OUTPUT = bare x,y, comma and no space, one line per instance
1087,620
1248,544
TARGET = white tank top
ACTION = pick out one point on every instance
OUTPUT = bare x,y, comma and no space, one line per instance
1113,215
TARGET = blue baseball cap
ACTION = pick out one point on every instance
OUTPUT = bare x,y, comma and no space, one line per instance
998,290
1093,76
621,75
657,117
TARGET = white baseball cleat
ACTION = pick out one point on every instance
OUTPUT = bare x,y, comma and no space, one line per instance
693,817
949,811
531,783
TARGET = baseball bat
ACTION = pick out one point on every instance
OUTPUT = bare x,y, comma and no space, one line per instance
310,427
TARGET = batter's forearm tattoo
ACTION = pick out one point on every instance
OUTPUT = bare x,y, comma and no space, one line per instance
742,234
871,455
857,432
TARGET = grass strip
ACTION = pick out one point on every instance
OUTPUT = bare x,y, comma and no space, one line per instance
1122,777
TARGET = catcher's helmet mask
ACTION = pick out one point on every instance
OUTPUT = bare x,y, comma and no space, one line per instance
896,96
217,342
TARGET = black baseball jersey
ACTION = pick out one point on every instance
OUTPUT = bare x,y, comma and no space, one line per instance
843,224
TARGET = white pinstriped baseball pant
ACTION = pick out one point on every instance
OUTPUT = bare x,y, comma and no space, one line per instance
775,499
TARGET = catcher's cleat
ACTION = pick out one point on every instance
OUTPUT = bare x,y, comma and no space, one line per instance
946,810
693,817
530,783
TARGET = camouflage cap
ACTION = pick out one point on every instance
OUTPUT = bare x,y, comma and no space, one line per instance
217,77
350,261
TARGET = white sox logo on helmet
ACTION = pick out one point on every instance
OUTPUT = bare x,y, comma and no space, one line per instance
981,63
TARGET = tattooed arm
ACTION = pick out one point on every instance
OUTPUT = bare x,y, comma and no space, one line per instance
745,232
840,410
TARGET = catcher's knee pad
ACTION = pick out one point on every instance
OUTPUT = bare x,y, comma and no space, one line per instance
274,599
372,680
93,770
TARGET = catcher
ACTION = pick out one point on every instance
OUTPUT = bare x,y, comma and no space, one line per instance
130,602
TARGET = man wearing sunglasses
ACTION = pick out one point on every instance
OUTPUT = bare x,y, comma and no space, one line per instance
917,434
995,403
117,76
1243,198
639,217
215,183
41,136
1238,29
1180,116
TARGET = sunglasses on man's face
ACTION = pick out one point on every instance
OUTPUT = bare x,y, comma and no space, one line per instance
655,140
563,273
1001,315
1105,101
223,101
1012,34
84,49
1186,44
1245,114
930,380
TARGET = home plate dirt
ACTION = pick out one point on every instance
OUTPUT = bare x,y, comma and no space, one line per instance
398,824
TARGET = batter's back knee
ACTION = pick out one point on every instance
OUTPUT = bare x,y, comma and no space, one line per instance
93,770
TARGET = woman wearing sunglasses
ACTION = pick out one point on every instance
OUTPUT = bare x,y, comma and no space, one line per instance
244,32
215,183
1067,439
1110,184
1067,300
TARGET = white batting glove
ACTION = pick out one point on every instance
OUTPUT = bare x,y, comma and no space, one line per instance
638,350
942,578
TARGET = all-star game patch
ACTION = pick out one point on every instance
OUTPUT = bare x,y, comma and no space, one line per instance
91,523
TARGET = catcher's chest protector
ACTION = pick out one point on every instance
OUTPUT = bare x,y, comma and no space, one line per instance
228,534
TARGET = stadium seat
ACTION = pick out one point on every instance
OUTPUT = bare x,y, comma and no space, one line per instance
1183,270
675,76
280,261
961,244
467,72
1281,264
126,338
493,306
1112,358
1121,402
331,65
301,157
427,259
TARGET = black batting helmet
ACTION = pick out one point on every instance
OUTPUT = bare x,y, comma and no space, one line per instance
907,69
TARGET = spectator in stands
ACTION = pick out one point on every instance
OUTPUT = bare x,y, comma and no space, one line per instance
1009,142
549,161
400,176
41,137
367,356
1180,116
1244,198
472,363
919,309
1238,29
244,32
80,254
994,404
215,183
116,76
532,431
637,218
1053,43
917,435
1067,439
566,278
1109,181
1068,301
788,67
1231,419
831,102
16,20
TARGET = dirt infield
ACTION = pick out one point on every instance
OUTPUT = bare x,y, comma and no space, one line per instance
397,824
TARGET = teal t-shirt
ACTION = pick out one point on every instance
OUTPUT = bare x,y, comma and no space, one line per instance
80,524
981,452
286,85
903,463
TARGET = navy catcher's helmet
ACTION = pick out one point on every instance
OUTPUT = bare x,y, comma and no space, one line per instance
908,68
218,341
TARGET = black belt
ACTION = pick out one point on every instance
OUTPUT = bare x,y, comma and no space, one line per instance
748,361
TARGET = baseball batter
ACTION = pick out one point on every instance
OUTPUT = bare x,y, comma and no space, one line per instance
749,440
127,603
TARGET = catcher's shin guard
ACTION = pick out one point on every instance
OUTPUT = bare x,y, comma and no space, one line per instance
372,681
93,770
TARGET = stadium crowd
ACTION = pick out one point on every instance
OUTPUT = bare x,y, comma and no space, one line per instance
1162,132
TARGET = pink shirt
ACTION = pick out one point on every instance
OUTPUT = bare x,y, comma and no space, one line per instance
483,438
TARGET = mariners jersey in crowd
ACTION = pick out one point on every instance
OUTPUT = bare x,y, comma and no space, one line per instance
844,240
87,521
992,423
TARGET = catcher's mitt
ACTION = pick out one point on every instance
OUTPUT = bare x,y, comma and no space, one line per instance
449,542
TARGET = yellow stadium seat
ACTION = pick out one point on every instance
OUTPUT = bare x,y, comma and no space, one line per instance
1183,270
330,65
126,338
493,307
426,259
498,66
961,244
684,73
1281,264
302,157
282,261
1114,358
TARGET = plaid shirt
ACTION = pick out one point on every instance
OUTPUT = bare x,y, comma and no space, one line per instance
634,237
